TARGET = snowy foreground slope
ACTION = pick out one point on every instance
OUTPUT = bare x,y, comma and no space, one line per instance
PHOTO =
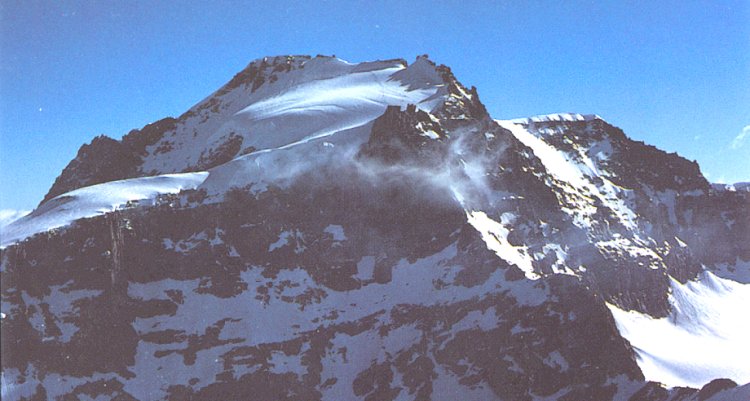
317,229
709,318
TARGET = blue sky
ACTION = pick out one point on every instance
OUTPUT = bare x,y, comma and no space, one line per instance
673,74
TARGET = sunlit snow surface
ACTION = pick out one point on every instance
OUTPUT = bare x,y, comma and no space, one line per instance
495,236
577,174
707,334
325,97
8,216
94,200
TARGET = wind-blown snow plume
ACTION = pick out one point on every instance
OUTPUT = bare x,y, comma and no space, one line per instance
739,140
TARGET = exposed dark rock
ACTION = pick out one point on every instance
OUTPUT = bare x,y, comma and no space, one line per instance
405,136
103,160
651,392
714,387
223,153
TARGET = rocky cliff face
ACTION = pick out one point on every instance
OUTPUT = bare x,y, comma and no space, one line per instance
369,232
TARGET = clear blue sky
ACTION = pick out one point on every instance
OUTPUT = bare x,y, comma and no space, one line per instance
675,74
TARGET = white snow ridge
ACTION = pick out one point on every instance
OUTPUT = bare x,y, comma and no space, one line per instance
95,200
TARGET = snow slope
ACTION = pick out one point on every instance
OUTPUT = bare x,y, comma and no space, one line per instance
578,175
319,97
495,235
279,166
705,336
95,200
8,216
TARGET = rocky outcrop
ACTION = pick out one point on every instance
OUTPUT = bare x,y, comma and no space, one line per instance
406,136
106,159
103,160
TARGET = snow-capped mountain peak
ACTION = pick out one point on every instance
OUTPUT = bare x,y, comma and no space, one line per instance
275,102
319,229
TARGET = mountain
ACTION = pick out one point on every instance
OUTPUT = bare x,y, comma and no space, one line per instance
317,229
